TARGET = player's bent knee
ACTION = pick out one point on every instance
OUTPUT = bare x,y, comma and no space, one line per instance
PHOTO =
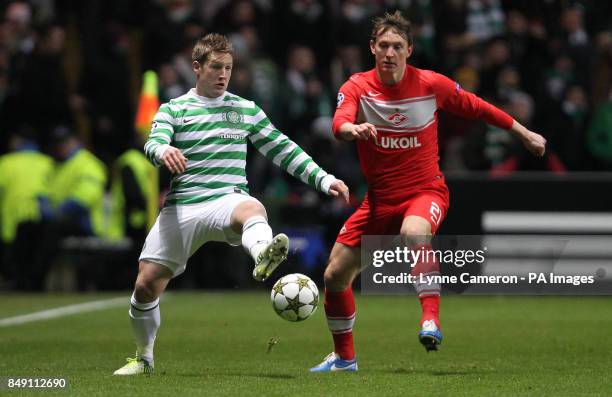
247,209
151,281
414,225
337,277
412,230
415,240
254,206
415,234
244,211
144,291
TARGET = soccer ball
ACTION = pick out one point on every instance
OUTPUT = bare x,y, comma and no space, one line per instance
295,297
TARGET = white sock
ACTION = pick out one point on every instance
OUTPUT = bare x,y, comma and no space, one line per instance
145,319
256,234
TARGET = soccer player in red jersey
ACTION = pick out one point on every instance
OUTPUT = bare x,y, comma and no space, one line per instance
391,113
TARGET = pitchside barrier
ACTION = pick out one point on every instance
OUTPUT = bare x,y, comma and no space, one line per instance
481,203
92,263
536,222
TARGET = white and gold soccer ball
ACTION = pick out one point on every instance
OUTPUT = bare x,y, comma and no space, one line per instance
295,297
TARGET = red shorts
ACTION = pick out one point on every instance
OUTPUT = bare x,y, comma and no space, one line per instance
430,202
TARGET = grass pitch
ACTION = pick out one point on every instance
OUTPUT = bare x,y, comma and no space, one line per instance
215,344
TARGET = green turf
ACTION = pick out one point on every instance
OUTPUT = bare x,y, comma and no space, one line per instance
215,344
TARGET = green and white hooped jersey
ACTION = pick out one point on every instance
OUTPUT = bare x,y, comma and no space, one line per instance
212,133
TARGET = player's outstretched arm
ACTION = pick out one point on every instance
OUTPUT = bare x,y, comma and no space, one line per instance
363,131
286,154
534,142
458,101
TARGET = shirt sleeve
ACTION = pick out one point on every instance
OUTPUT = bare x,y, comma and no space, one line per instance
162,131
347,106
451,97
286,154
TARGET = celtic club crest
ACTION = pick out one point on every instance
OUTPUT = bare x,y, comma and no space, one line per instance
233,117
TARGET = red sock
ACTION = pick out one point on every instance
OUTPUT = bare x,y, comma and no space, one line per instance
431,308
429,292
340,312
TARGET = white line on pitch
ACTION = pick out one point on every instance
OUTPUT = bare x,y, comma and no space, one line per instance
65,311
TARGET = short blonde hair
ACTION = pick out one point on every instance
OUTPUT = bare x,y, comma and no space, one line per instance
212,42
396,22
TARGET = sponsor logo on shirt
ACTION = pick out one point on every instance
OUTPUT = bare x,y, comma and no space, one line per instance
406,142
230,136
232,116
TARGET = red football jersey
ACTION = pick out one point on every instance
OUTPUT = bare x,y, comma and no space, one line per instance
404,157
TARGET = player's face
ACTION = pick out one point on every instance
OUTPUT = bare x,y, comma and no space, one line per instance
214,75
391,52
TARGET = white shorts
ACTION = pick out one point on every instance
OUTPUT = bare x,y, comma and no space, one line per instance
180,230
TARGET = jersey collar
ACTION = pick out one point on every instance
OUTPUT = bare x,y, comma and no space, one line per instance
207,99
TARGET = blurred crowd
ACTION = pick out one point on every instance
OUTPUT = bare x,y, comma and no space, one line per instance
70,72
547,62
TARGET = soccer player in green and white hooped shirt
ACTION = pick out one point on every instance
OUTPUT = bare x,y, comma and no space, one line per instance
201,137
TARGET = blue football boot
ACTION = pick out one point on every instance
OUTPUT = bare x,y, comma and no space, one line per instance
333,363
430,336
